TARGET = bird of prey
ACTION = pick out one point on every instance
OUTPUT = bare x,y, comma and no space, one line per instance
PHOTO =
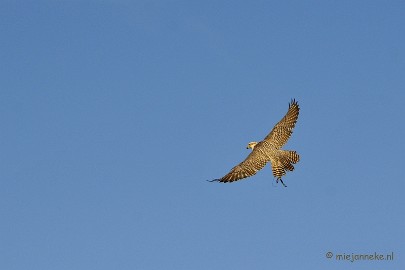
269,149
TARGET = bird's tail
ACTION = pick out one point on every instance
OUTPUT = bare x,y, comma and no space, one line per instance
284,163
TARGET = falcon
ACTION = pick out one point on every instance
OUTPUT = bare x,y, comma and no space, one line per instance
269,150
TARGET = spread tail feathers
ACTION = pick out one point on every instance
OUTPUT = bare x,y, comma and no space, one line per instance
284,163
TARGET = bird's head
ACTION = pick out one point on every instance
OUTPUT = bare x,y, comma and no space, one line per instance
251,145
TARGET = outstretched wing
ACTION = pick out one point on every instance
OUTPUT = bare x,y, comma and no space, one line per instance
283,129
250,166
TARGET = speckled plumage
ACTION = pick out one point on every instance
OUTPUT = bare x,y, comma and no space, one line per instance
269,150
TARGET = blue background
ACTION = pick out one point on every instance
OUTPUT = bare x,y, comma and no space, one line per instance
114,113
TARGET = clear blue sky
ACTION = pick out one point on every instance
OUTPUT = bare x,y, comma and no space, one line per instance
114,113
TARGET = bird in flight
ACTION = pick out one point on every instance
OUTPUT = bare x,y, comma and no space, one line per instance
269,149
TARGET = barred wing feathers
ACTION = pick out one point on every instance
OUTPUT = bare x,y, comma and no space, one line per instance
284,128
254,162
